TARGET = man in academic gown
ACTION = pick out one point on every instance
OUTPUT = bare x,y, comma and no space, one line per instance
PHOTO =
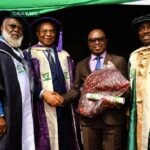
52,67
139,70
16,121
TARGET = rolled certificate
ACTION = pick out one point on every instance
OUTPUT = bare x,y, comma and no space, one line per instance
112,99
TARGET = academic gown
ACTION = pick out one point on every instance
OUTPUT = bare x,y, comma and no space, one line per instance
9,88
11,98
42,130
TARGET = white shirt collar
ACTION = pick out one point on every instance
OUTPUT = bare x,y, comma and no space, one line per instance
102,55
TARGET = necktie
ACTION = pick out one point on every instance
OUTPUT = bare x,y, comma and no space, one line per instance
50,58
98,63
51,61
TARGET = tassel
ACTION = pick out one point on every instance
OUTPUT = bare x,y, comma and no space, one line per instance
60,45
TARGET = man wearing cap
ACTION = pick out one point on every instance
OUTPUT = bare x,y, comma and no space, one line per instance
55,126
139,62
16,120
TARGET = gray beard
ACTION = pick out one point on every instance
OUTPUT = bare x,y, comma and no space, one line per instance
12,42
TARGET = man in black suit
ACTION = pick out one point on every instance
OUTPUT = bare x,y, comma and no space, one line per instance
106,131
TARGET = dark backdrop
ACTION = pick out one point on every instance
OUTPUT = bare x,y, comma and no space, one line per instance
114,19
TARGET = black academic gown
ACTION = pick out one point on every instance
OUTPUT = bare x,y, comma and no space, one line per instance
10,96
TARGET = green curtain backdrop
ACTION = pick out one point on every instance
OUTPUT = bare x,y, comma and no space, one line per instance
33,7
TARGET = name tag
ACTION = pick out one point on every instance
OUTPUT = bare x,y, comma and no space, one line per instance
66,75
46,76
20,69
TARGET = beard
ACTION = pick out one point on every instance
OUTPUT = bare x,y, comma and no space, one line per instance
12,42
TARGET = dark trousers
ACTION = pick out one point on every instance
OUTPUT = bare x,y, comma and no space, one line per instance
103,137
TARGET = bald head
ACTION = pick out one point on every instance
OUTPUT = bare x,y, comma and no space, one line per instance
97,41
95,32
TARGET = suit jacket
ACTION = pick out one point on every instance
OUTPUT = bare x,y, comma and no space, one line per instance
112,116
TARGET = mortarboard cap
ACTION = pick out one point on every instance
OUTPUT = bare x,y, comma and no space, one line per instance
139,20
57,25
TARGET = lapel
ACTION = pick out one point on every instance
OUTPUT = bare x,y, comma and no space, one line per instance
107,58
87,69
87,64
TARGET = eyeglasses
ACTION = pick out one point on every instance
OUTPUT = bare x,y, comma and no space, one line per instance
48,31
94,40
14,26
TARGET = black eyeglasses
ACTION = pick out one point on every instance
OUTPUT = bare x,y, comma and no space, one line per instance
94,40
14,26
48,31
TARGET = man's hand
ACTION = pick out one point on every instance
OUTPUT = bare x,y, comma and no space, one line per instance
2,126
52,98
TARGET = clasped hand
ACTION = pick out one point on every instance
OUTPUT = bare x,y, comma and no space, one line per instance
52,98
